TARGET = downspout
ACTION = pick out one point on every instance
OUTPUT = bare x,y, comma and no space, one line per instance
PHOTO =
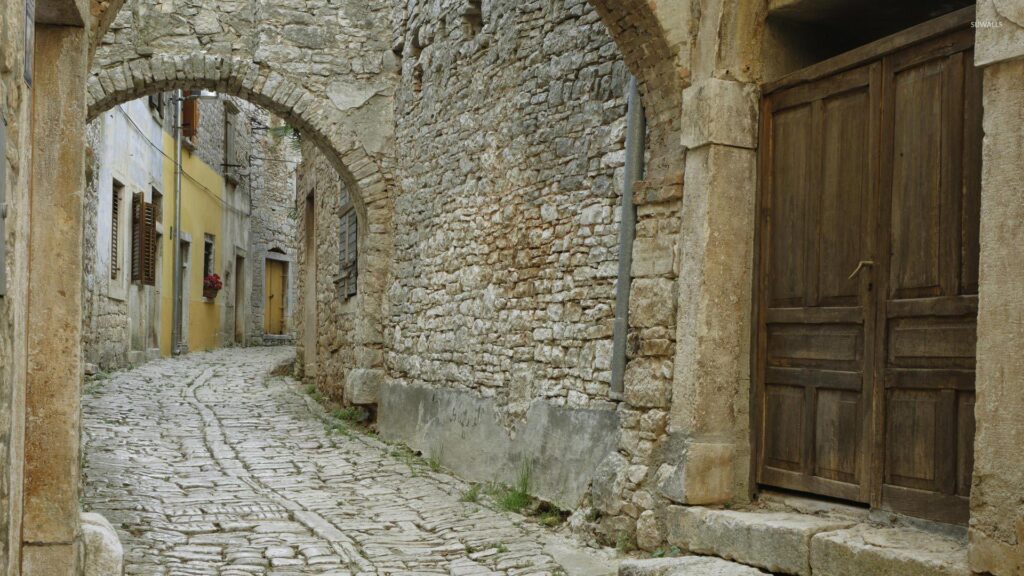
176,303
636,132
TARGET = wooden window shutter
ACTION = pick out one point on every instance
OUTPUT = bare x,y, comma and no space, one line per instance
149,219
143,241
190,117
115,233
138,236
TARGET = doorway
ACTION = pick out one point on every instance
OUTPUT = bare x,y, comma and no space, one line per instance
310,322
185,250
277,284
867,277
239,300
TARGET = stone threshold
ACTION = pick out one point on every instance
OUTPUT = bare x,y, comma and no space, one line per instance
822,540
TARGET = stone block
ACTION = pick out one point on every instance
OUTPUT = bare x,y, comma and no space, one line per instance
652,303
362,386
648,383
720,112
654,256
686,566
649,534
49,560
104,555
701,473
887,552
775,541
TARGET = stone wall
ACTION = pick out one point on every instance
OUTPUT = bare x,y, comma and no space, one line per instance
500,306
274,234
15,109
336,345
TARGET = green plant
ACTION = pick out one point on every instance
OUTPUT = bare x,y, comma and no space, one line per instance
625,543
471,495
351,414
434,460
517,497
501,548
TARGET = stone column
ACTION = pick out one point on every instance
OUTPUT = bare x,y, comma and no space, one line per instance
52,429
997,512
709,424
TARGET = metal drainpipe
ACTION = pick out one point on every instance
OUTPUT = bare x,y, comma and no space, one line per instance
176,303
636,132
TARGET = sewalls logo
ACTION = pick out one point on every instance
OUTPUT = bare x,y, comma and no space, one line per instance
987,24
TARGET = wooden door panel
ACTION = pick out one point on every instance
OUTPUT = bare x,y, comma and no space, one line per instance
792,133
916,182
837,435
783,442
868,280
843,201
931,311
813,316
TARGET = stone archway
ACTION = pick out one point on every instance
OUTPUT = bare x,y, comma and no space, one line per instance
329,77
654,41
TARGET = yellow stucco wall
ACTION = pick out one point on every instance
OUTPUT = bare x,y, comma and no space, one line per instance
201,213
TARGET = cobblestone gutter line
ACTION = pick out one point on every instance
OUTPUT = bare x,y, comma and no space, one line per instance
207,466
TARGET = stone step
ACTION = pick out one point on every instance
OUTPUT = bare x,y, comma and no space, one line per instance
887,552
686,566
809,545
775,541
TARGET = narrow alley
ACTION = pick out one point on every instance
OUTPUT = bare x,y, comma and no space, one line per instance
208,464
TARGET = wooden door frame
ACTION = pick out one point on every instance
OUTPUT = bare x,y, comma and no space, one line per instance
873,52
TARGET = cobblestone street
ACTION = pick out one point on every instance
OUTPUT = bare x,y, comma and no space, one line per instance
209,465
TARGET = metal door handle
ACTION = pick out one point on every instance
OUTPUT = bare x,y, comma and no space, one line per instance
861,266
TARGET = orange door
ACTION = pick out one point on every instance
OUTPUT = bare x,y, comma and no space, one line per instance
274,316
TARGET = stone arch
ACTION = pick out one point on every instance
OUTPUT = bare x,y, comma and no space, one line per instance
313,115
654,49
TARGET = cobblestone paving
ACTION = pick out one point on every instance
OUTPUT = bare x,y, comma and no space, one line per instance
208,465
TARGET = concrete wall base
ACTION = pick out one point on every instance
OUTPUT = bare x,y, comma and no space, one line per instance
563,446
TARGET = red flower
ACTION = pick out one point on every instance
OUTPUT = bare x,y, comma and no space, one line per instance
212,282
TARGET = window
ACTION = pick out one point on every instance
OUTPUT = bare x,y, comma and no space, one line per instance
208,255
115,230
144,243
158,205
156,104
190,117
473,17
349,237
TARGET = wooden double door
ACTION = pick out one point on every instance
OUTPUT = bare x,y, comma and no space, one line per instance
868,279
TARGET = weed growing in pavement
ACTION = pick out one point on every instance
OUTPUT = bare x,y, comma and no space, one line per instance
471,495
625,543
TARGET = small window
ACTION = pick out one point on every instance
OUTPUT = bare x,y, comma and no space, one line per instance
473,17
115,229
156,104
349,237
158,205
208,255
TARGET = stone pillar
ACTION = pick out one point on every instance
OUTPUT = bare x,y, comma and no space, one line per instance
709,423
997,512
52,467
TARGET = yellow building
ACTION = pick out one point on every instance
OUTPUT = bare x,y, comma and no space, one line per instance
202,214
